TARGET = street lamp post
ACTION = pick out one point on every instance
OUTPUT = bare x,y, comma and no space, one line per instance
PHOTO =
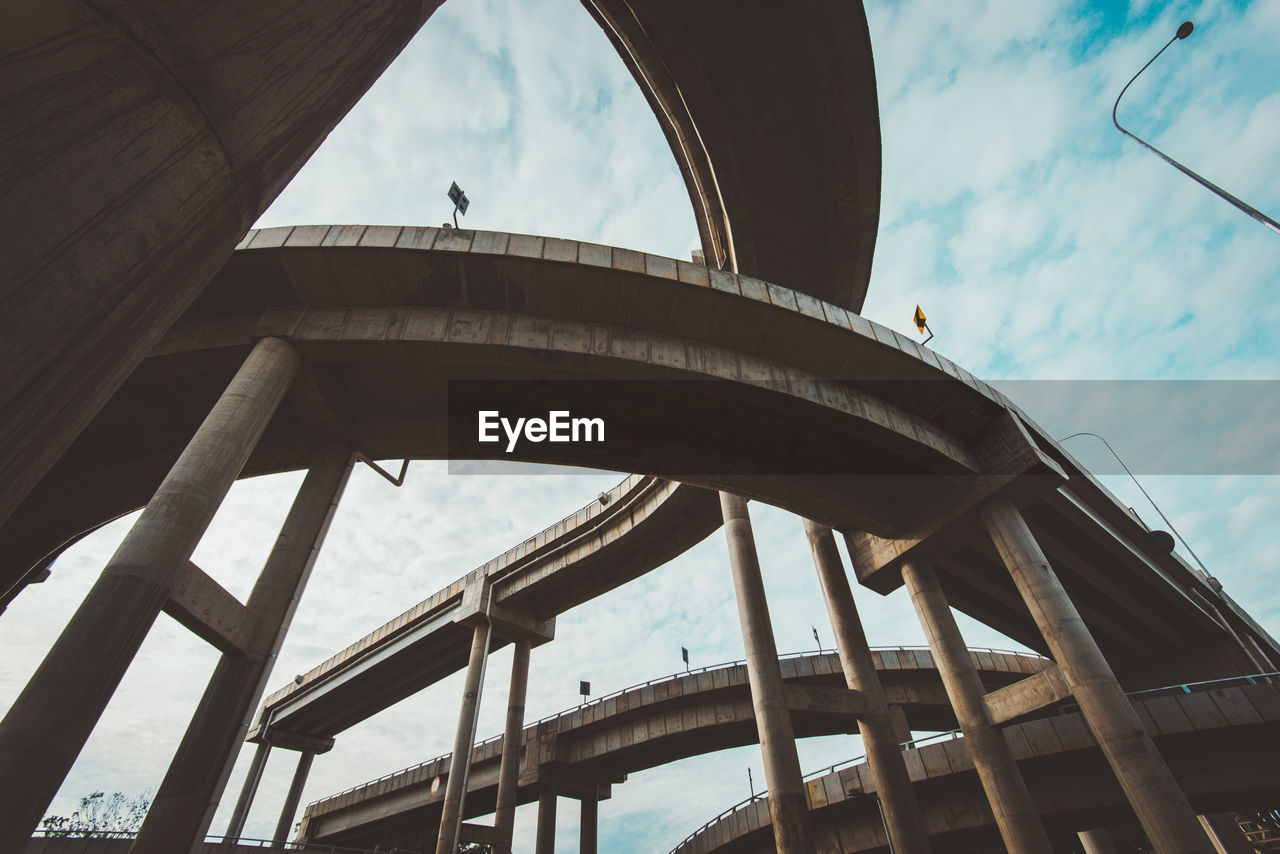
1182,33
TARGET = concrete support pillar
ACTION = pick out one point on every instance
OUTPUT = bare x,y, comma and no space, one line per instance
589,825
901,729
505,815
1161,806
247,792
460,763
47,726
788,806
884,754
545,842
185,804
1224,832
1016,818
139,152
1097,842
284,826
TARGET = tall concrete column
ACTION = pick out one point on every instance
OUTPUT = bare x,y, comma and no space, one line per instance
285,825
788,806
590,822
901,728
1161,806
140,150
1015,814
1097,842
247,792
47,726
883,747
508,772
460,762
185,804
1224,832
545,842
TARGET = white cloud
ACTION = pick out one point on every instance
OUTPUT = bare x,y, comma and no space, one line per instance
1040,242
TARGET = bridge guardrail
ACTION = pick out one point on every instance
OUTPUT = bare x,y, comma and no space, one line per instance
82,842
618,693
1183,687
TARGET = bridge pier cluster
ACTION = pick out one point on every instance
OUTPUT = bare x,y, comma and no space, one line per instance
125,253
1162,809
47,726
151,572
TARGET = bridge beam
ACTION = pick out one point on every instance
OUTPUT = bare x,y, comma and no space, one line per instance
1149,786
788,804
208,611
1015,814
1026,695
903,821
188,797
505,814
51,720
460,762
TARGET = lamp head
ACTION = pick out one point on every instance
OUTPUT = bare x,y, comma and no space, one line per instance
1185,29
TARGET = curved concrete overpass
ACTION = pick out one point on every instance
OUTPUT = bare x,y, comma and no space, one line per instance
1211,739
589,747
781,158
388,340
640,524
388,317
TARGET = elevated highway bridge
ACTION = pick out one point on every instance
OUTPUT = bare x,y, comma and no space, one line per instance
156,348
1210,735
598,744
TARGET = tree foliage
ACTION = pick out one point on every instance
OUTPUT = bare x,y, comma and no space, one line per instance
100,813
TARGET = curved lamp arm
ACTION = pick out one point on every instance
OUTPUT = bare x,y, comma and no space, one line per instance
1183,32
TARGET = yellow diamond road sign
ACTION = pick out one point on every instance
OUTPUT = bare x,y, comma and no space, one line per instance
920,319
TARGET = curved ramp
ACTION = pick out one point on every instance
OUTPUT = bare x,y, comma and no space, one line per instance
649,725
770,110
637,526
1210,737
855,425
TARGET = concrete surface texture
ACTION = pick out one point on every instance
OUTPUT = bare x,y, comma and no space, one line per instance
154,347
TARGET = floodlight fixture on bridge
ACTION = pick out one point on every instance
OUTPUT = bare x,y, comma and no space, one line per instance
584,688
1183,31
460,201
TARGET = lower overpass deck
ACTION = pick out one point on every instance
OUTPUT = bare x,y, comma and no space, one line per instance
646,726
1216,739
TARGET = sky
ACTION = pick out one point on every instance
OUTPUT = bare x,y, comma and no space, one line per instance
1052,255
